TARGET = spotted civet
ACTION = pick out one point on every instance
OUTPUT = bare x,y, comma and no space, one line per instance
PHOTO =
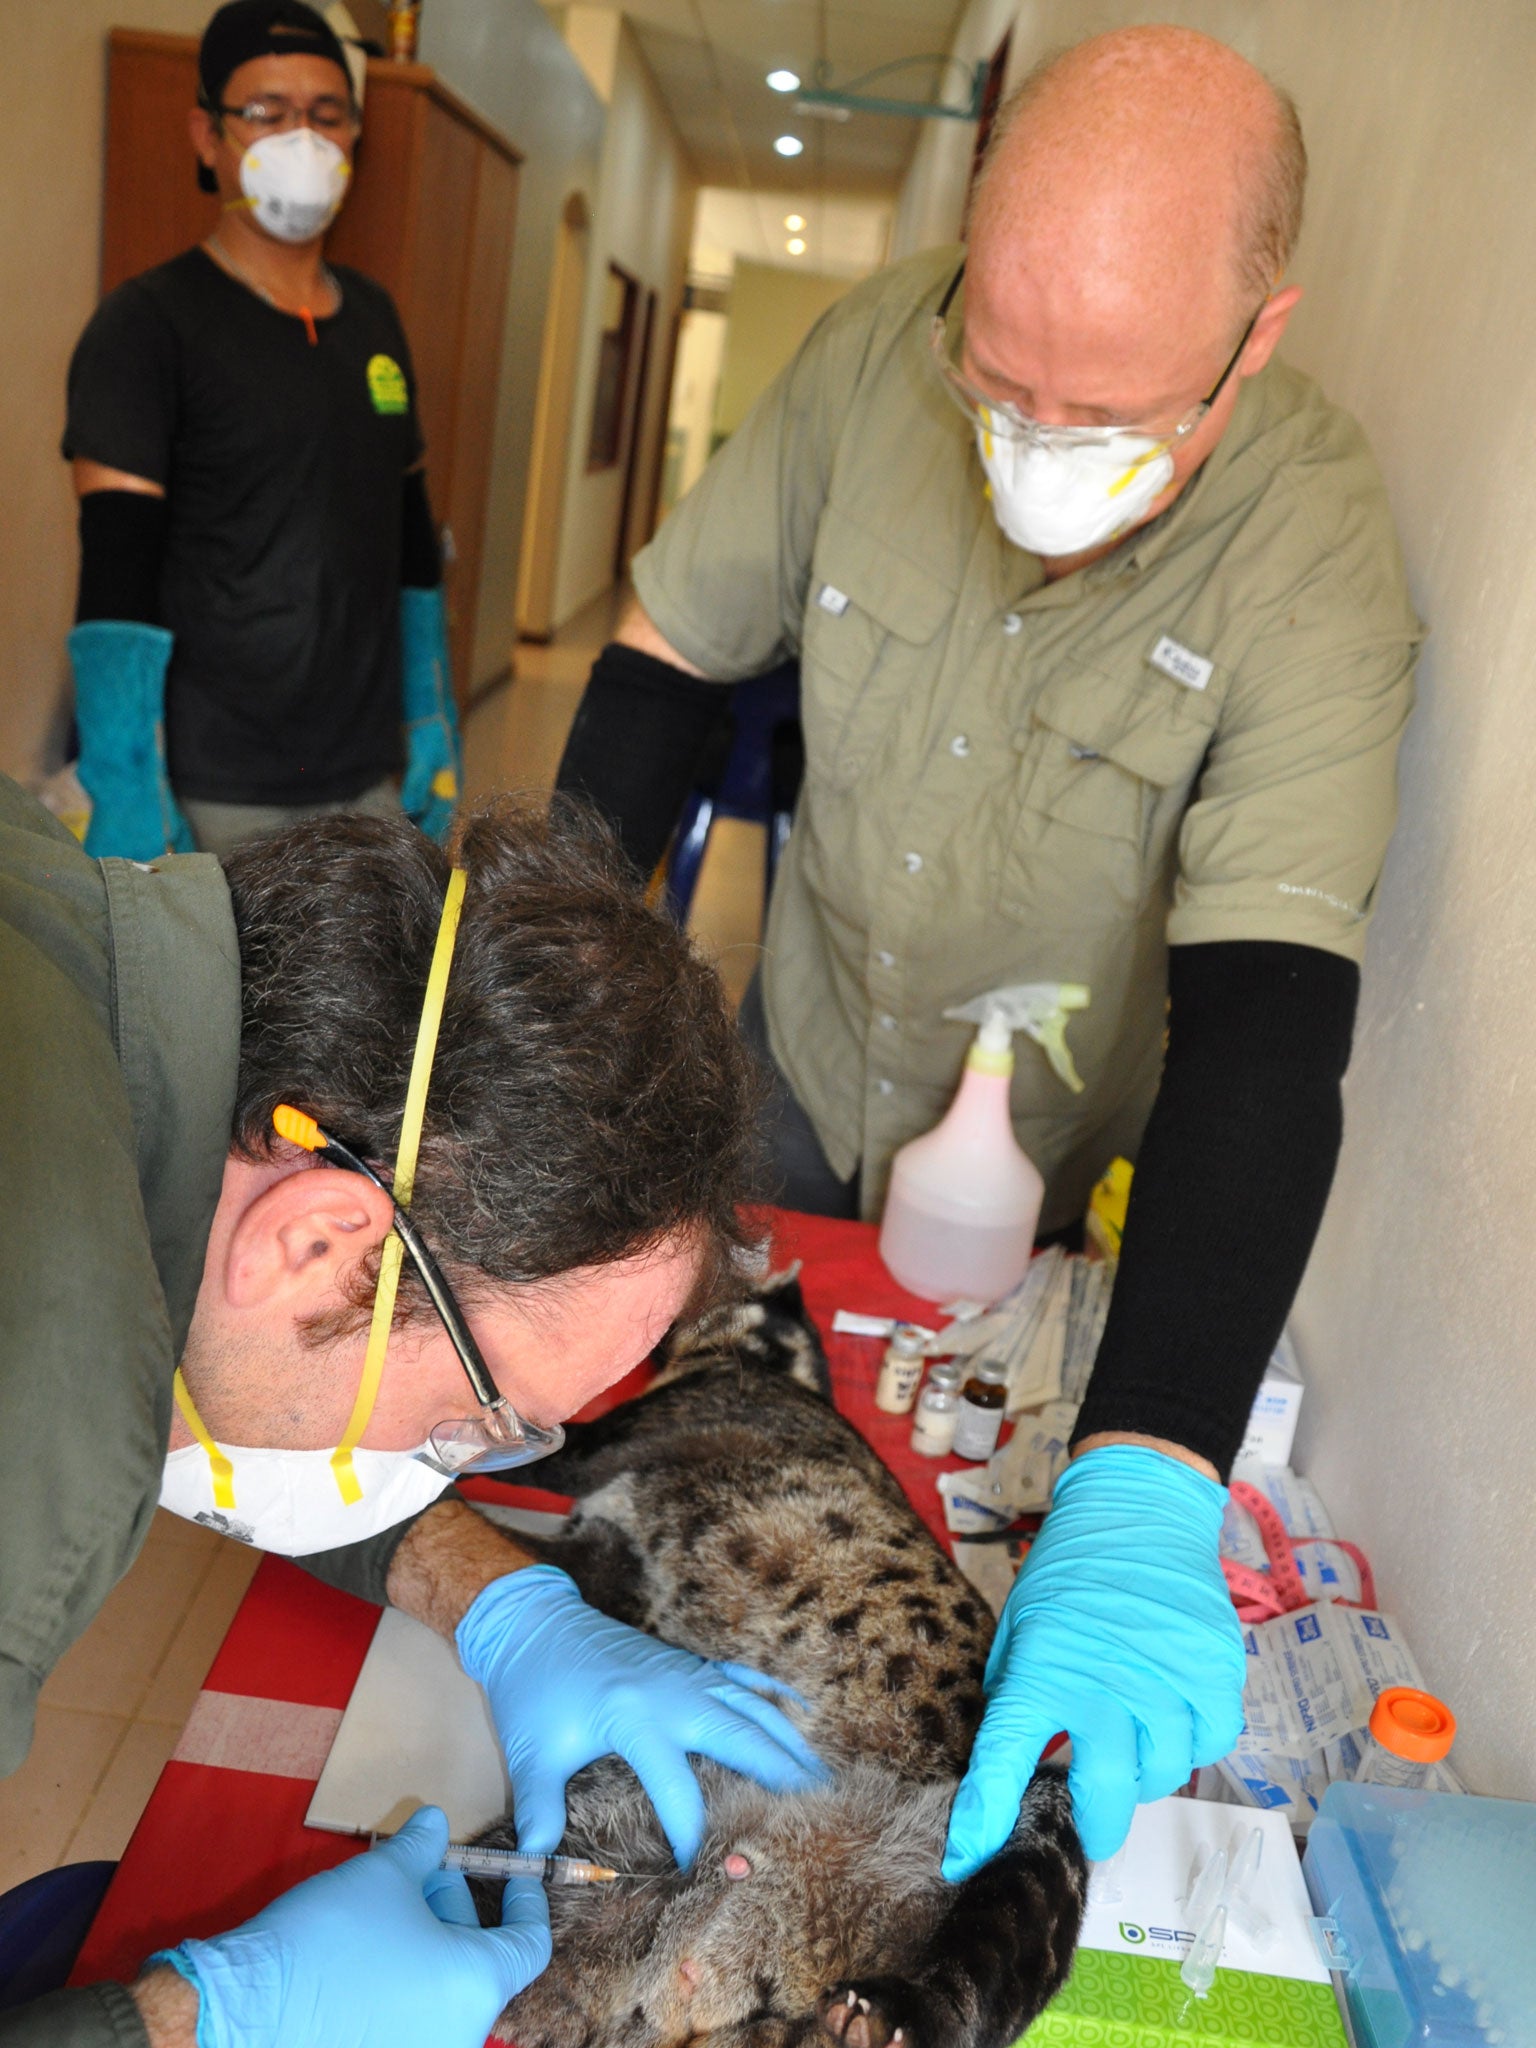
730,1509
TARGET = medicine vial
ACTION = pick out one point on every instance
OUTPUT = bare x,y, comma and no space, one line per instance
980,1417
1411,1731
938,1406
900,1371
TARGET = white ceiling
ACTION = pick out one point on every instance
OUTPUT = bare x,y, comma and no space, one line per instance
710,58
844,237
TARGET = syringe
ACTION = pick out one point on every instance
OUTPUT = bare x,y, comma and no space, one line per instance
473,1859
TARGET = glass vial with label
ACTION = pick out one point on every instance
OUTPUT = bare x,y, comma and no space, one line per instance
938,1406
900,1371
979,1421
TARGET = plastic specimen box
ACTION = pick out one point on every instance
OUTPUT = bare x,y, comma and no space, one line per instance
1427,1905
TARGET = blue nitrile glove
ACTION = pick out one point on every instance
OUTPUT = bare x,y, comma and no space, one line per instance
434,760
120,667
384,1951
567,1685
1119,1629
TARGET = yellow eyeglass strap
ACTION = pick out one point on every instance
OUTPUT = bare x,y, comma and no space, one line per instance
404,1181
223,1471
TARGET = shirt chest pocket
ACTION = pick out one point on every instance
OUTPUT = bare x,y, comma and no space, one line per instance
1104,770
872,637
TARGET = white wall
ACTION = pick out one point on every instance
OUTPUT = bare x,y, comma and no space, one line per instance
1417,1320
642,220
695,387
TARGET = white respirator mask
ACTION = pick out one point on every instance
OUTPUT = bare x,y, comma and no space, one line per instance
1055,494
295,183
287,1501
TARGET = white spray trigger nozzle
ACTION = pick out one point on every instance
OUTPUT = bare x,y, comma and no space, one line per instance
996,1033
1039,1008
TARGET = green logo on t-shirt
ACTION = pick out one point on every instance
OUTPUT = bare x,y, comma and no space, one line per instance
386,385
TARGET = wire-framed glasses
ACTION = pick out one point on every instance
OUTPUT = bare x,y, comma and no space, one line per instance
1000,417
271,114
495,1439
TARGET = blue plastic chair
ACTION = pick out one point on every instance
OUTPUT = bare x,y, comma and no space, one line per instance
758,779
43,1925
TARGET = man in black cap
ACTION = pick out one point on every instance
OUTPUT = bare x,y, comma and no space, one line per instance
260,605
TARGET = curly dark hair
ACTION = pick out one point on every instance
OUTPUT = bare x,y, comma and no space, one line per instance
590,1097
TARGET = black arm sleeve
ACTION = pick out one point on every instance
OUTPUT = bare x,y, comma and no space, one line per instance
640,732
1229,1190
122,550
421,558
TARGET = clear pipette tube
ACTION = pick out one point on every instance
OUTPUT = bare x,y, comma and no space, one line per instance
1198,1968
474,1859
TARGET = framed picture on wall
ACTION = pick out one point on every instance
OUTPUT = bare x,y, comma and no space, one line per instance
615,352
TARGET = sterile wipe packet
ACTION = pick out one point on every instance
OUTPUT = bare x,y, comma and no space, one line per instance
1314,1675
970,1506
1288,1784
1021,1475
1294,1500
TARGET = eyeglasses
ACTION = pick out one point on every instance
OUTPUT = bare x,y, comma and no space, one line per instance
1000,417
331,115
498,1437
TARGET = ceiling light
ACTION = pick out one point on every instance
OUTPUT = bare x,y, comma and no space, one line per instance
784,81
789,145
794,222
795,246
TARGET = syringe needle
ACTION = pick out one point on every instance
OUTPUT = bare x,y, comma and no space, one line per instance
474,1859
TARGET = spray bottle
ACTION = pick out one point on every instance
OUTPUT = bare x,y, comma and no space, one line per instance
964,1198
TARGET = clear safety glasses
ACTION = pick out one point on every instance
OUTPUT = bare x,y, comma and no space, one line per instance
330,115
997,416
498,1437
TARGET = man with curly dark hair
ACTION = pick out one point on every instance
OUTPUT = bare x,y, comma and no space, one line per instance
540,1113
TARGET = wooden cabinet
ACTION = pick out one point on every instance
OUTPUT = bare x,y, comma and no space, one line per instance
430,215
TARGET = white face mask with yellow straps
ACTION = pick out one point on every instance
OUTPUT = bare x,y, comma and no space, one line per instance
298,1502
288,1501
1055,495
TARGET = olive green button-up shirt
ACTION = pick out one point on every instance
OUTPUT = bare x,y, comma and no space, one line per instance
1009,780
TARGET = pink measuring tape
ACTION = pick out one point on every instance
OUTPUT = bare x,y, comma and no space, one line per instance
1261,1595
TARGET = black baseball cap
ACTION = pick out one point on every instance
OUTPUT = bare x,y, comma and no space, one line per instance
262,28
259,28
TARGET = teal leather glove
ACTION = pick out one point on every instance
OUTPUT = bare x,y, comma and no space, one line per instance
120,668
384,1951
434,759
1119,1629
567,1685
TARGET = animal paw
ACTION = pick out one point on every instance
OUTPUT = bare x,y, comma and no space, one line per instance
867,2015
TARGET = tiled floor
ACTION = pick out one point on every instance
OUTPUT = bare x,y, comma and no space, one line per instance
113,1708
111,1712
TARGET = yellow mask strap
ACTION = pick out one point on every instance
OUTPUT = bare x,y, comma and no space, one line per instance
405,1178
223,1471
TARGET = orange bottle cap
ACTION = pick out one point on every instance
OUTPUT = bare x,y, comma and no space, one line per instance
1413,1724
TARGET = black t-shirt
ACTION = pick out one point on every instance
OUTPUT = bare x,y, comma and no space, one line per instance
283,464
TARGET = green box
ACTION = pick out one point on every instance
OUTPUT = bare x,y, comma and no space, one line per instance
1119,2001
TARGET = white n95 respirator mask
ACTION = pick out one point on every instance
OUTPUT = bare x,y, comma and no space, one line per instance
286,1501
295,183
1057,494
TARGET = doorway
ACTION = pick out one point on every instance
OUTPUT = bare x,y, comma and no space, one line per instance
540,554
